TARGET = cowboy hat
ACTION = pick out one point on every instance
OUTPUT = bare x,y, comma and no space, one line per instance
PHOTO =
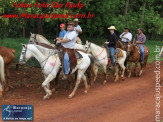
70,23
76,20
112,28
127,28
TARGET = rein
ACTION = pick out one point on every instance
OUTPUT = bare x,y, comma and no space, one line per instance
42,68
98,54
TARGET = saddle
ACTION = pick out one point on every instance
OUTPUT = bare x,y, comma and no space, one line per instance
73,56
118,53
146,50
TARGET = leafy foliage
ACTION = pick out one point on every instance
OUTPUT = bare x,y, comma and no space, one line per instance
146,14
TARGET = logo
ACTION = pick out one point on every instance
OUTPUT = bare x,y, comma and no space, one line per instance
17,112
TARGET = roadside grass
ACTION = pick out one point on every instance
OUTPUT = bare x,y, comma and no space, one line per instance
15,43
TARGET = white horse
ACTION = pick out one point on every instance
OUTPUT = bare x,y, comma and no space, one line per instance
101,59
39,39
50,64
2,75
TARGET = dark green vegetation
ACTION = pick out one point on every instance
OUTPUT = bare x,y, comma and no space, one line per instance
146,14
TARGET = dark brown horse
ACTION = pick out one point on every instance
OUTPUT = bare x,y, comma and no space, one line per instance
6,57
135,57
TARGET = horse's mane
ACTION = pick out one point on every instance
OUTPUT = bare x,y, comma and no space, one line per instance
98,47
45,51
42,37
120,45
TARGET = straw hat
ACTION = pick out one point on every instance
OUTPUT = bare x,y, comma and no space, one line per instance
76,20
70,23
112,28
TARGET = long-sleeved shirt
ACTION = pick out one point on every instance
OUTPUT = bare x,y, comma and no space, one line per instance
112,40
141,38
128,36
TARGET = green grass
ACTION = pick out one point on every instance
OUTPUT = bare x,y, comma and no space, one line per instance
15,43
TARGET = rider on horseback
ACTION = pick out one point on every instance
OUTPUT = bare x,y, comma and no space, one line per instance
126,36
78,30
111,44
140,39
68,42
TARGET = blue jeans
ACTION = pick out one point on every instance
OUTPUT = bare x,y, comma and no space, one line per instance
111,51
66,63
142,52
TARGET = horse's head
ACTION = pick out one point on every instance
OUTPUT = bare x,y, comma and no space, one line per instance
32,39
87,47
130,48
25,54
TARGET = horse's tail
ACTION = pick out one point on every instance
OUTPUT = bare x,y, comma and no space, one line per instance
2,73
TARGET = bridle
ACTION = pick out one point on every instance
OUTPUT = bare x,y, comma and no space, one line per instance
24,59
42,68
96,55
88,47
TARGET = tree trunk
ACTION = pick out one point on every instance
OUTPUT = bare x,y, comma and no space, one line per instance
126,7
143,12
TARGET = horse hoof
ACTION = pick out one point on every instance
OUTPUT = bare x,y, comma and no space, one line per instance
105,81
70,96
85,92
122,78
44,98
115,80
1,94
53,90
92,84
7,89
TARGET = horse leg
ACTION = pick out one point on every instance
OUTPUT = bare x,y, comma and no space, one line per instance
88,73
123,70
80,74
85,83
56,80
105,74
45,86
141,69
95,70
1,90
135,69
8,79
116,70
129,68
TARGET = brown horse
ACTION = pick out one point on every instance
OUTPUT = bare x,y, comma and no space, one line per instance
135,57
120,45
6,57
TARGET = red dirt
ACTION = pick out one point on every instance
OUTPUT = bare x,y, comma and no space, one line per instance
131,100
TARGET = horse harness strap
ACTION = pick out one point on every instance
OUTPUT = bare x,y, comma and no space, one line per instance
99,53
42,68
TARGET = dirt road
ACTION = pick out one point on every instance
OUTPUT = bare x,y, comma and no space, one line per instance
131,100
